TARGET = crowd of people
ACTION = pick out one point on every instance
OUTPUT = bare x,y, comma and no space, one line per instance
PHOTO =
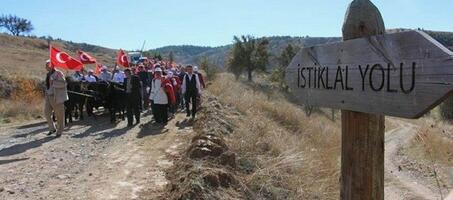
159,86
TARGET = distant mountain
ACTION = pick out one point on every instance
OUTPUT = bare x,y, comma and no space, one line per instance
188,54
182,53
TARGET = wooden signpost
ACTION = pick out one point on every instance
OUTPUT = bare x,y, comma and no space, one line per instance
369,75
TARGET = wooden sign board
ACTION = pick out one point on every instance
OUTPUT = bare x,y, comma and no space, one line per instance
401,74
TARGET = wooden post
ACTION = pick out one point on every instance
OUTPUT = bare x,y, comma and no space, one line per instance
368,75
362,149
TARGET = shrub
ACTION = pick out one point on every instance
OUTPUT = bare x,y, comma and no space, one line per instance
21,99
6,87
27,90
209,68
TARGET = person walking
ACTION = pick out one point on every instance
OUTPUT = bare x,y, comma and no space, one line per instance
159,97
133,90
191,88
202,84
146,83
200,76
175,88
55,95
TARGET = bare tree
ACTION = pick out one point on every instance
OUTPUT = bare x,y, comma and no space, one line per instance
15,25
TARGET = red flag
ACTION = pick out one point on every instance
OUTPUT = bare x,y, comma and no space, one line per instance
62,59
98,69
122,59
85,58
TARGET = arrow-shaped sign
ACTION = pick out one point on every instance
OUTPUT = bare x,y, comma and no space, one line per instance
401,74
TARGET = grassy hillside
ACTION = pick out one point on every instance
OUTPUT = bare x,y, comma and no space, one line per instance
25,55
271,149
22,71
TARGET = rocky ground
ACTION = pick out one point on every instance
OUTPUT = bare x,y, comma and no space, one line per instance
408,178
92,160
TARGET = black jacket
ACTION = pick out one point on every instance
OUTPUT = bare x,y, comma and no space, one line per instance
136,88
145,78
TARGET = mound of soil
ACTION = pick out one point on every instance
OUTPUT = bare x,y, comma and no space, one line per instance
208,169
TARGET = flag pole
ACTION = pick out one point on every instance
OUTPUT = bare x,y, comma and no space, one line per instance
50,54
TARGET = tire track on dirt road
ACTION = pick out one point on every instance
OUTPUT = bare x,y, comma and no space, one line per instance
401,184
92,160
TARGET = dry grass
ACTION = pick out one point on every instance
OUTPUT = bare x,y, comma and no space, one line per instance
11,111
434,142
430,153
432,146
293,156
25,101
26,56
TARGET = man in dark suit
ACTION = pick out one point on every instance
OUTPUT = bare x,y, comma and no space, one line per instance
191,88
145,79
133,93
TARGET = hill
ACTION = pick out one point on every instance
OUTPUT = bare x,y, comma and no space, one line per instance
191,54
26,55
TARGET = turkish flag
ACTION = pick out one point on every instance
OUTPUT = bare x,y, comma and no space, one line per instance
62,59
85,58
121,59
98,68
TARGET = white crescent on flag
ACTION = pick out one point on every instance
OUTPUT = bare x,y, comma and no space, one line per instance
123,58
59,59
84,57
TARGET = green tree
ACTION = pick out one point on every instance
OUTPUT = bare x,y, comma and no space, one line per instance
285,58
248,54
208,67
287,55
157,56
15,25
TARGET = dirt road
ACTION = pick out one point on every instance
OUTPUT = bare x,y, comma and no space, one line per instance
401,184
92,160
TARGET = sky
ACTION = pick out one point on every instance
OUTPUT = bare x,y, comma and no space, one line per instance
127,23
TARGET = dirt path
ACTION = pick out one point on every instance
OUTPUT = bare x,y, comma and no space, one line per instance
401,184
92,160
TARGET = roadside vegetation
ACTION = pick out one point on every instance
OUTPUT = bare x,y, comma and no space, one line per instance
21,99
430,153
286,154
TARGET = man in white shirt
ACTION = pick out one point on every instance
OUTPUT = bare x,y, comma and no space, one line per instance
77,76
191,88
105,75
90,78
118,76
